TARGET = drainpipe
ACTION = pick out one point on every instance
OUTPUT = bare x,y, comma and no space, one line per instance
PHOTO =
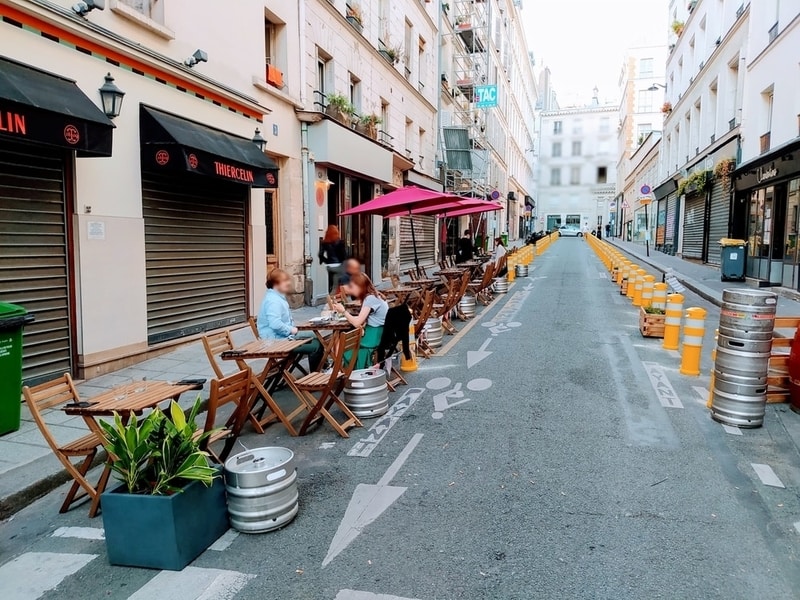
308,290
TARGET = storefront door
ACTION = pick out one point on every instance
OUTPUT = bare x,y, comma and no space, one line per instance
767,219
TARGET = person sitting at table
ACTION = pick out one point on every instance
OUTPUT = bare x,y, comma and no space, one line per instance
498,253
465,248
372,316
351,267
275,322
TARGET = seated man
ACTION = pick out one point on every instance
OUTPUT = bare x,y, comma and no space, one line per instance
352,266
275,319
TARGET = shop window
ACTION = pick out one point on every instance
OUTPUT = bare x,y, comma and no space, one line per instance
602,175
573,220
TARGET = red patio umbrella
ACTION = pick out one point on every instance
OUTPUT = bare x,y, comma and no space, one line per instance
402,202
446,206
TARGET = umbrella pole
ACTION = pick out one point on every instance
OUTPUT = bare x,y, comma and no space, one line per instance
413,240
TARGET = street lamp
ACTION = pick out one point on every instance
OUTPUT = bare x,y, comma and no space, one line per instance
259,140
111,97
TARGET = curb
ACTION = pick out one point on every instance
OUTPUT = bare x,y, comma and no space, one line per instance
689,283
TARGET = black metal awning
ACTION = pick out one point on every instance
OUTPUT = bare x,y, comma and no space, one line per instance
780,163
171,143
40,107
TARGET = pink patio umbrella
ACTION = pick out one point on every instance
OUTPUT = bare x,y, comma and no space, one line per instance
402,202
446,207
475,209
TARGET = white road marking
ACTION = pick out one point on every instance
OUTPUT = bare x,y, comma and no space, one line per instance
673,353
441,401
193,583
326,445
381,427
702,393
368,503
30,575
356,595
767,475
224,541
476,356
83,533
512,306
663,388
797,526
732,430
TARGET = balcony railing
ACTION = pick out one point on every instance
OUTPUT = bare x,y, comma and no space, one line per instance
763,142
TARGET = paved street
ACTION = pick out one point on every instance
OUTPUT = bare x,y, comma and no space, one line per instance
533,458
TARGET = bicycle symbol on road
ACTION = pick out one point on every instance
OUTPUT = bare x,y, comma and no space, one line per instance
498,328
442,400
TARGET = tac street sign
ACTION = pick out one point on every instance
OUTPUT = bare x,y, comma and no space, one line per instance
485,96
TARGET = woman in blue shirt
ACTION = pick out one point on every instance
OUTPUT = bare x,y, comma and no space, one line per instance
275,321
372,316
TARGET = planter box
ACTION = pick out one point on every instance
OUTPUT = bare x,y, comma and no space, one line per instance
651,325
387,56
163,532
355,23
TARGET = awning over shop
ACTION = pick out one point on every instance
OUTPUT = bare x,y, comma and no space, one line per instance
777,164
40,107
172,143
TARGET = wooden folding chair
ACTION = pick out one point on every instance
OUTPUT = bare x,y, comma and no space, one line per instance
395,279
254,327
480,287
329,386
422,316
214,345
236,389
412,273
49,395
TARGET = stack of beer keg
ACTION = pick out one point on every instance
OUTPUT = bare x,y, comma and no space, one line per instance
744,344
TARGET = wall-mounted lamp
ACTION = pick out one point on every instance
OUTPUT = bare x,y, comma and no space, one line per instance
86,6
111,97
655,87
259,140
198,57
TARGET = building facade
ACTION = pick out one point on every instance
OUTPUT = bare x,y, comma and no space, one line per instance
703,116
577,166
640,220
767,181
130,236
641,86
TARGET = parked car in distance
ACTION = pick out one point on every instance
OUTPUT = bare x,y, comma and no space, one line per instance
570,231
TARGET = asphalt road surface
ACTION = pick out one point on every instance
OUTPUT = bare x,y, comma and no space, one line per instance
533,459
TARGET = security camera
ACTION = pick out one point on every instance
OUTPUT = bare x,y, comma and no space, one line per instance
198,57
86,6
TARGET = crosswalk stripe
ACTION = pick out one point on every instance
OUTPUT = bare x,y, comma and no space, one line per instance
83,533
193,583
767,475
30,575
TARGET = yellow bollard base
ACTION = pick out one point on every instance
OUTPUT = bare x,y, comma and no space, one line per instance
409,366
690,361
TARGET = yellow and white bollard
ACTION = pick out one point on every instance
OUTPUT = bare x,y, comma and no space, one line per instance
631,280
660,296
637,287
409,365
711,383
647,291
672,321
693,331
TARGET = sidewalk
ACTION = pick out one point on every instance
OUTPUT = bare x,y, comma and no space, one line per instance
704,280
28,468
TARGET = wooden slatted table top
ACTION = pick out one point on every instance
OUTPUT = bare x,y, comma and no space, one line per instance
401,289
263,349
131,397
340,325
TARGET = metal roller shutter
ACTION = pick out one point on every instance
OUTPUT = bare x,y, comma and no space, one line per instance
34,258
195,252
693,226
425,235
718,221
661,222
669,227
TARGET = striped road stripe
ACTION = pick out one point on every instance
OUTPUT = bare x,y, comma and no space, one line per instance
83,533
30,575
767,475
193,583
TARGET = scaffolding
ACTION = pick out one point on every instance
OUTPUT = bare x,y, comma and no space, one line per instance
464,137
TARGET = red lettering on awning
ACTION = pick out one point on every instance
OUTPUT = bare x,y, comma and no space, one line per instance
236,173
11,122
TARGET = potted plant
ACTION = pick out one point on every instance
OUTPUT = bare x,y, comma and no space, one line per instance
354,17
666,108
677,27
368,125
339,108
171,504
391,53
463,22
651,322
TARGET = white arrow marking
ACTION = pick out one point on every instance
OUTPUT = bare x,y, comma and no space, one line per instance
767,475
476,356
368,503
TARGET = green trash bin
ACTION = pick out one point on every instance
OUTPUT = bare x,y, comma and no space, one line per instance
504,237
12,319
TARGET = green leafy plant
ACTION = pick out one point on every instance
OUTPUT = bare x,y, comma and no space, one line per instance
677,27
160,454
699,180
340,103
654,311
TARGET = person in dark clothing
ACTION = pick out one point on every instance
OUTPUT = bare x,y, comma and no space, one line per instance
332,254
465,248
608,230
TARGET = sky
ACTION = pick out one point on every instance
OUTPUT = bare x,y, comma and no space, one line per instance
584,41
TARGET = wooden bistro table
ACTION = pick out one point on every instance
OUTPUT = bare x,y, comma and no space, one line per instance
400,293
125,400
319,328
278,354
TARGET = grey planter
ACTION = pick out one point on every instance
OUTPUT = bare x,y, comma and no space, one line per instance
356,24
163,532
